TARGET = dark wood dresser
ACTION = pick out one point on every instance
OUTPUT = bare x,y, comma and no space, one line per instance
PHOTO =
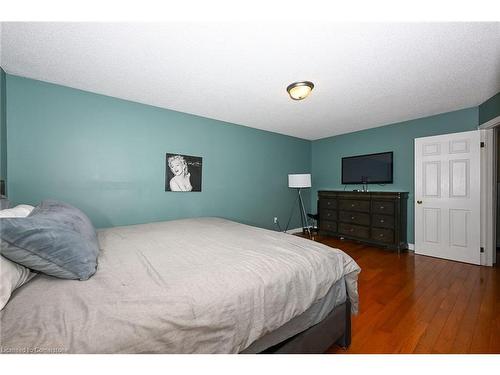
376,218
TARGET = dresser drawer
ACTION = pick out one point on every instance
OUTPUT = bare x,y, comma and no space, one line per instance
354,205
327,204
328,226
378,218
383,235
354,230
383,221
383,207
327,215
354,217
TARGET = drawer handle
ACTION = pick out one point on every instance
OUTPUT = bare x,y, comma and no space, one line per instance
381,207
351,230
381,235
328,203
352,217
381,220
352,205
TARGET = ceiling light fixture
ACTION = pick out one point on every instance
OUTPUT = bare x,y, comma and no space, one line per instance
300,90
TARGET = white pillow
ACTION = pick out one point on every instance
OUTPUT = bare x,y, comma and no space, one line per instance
12,276
21,210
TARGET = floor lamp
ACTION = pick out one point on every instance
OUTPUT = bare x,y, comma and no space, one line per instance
301,181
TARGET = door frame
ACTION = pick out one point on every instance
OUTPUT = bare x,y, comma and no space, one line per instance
489,190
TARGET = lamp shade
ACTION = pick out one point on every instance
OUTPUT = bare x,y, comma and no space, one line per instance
299,180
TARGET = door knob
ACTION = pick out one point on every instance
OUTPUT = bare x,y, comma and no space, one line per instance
419,202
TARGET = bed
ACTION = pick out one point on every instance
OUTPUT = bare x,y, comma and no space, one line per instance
202,285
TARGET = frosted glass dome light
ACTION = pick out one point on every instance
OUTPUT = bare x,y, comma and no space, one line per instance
300,90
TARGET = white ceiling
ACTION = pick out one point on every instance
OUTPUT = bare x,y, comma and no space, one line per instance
365,75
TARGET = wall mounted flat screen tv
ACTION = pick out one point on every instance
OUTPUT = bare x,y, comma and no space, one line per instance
369,169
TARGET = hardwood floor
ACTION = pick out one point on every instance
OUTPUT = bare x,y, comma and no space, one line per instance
416,304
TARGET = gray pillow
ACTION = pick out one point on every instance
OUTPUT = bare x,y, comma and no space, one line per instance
56,239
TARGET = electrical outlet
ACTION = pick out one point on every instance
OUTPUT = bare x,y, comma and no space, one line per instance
275,220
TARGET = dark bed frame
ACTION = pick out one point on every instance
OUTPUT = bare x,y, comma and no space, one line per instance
334,329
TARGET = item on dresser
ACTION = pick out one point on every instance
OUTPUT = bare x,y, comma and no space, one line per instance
376,218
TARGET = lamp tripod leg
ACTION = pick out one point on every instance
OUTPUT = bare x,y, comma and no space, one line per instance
303,216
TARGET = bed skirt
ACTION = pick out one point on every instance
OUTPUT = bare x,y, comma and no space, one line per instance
334,329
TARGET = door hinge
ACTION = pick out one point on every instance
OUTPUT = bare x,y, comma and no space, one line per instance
481,249
482,144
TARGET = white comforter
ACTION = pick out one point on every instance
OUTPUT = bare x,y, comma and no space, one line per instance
204,285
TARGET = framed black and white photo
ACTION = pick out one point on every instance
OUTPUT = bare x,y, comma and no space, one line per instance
183,173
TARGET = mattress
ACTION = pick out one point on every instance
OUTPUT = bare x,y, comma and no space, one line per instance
204,285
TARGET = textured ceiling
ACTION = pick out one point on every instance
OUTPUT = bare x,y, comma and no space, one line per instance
365,75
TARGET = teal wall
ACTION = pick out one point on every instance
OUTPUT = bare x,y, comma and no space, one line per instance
107,156
3,126
489,109
399,137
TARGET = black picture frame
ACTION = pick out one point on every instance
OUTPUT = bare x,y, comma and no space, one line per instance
183,173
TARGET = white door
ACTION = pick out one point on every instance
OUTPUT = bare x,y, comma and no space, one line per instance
447,196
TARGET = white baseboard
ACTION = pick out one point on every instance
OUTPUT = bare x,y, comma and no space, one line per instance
411,246
294,230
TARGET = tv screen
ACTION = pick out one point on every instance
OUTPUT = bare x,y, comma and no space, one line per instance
370,169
